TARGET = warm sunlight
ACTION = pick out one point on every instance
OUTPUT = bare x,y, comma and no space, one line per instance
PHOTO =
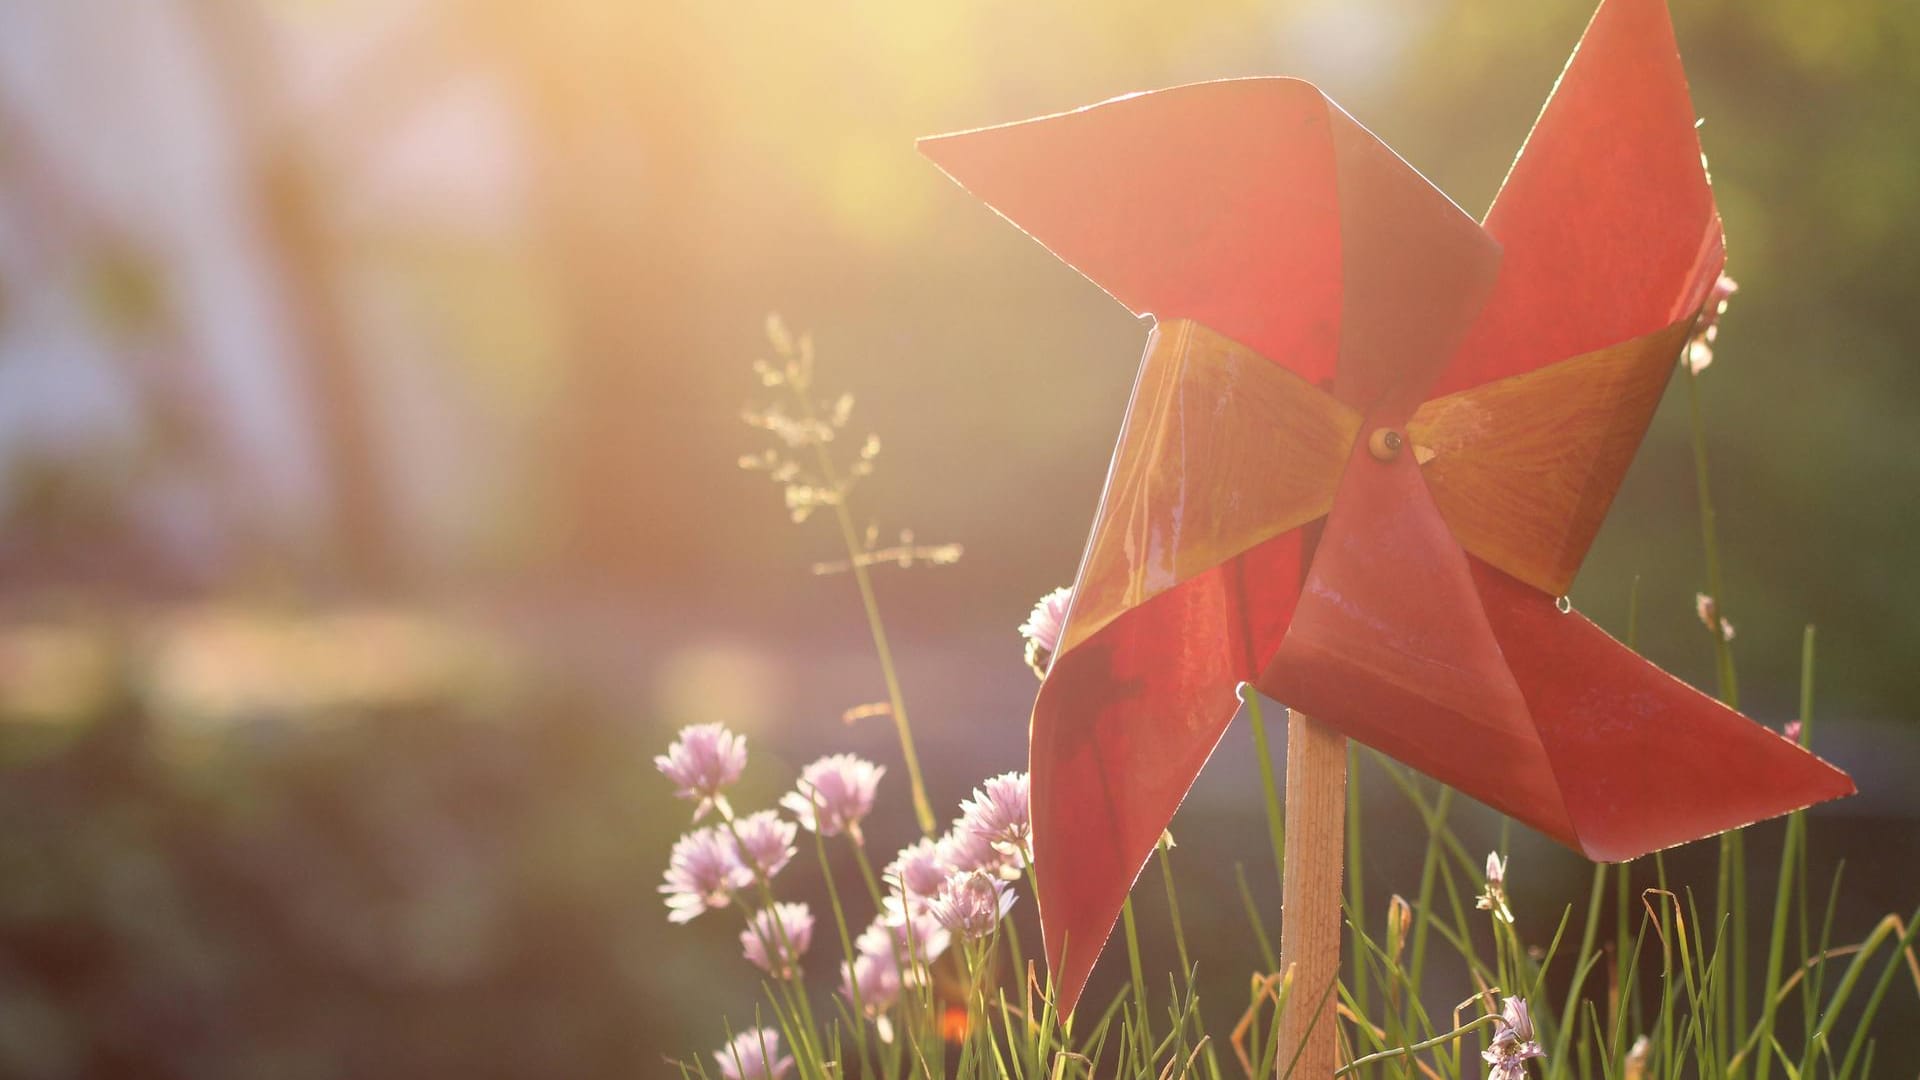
532,538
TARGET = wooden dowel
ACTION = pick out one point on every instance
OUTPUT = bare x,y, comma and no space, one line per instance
1310,913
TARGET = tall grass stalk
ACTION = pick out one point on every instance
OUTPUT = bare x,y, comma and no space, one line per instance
896,701
1732,869
1784,882
1269,786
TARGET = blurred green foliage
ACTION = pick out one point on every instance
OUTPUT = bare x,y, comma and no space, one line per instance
410,892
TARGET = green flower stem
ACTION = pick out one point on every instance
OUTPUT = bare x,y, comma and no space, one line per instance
846,944
1849,981
1267,957
797,997
1710,541
1618,1001
922,808
1414,1048
1806,685
976,955
1139,978
1588,935
1783,887
866,873
1015,952
1276,817
1732,884
1032,874
1033,887
1879,992
1173,910
1429,871
1667,997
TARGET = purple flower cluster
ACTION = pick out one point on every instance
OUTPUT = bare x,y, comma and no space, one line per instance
1513,1043
708,866
960,880
872,984
703,760
916,874
754,1055
993,833
765,843
776,937
998,814
702,874
971,904
891,954
957,884
1043,628
834,794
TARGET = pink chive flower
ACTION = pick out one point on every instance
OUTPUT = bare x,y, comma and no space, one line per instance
1700,349
834,794
876,979
702,874
1709,611
972,903
907,939
754,1055
1043,626
1494,897
962,850
997,813
916,874
892,953
776,937
763,844
1513,1043
1792,730
704,759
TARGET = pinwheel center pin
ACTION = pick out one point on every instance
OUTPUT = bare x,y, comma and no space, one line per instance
1384,444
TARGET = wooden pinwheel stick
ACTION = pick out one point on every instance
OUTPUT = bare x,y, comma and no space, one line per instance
1310,895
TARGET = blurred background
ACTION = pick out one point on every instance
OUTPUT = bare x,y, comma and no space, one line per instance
370,390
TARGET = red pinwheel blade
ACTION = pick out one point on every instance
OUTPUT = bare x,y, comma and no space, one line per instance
1123,725
1415,271
1644,760
1216,202
1187,583
1607,219
1389,646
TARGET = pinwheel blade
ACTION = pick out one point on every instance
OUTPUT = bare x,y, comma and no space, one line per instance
1188,581
1643,760
1389,646
1607,220
1216,202
1415,271
1123,725
1221,450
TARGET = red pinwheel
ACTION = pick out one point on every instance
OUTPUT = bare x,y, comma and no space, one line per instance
1368,448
